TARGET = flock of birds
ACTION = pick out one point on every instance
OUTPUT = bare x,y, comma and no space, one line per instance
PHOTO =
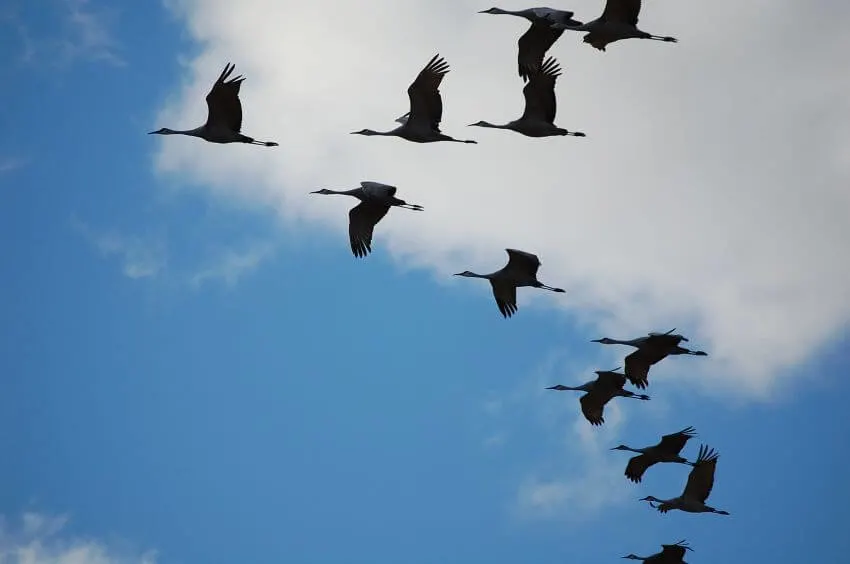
421,124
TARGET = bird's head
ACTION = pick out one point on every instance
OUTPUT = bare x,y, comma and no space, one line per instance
365,132
621,447
650,499
604,341
465,273
481,123
632,557
163,131
559,387
322,191
492,11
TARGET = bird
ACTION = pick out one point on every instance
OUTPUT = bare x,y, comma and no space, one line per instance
697,490
618,21
376,199
667,450
540,105
539,37
670,554
651,349
520,271
422,123
608,385
224,114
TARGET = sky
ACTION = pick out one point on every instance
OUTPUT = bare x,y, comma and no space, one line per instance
195,369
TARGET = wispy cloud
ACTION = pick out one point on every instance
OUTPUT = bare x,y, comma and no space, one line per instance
141,257
229,265
39,539
9,164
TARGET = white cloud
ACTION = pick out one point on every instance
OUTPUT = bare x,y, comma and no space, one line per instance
710,194
231,264
89,34
141,257
9,164
40,540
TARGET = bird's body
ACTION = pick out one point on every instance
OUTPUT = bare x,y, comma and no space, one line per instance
422,123
538,119
521,271
651,349
667,450
698,488
618,21
670,554
376,199
608,385
540,36
224,114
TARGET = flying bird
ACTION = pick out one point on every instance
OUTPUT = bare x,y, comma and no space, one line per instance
538,119
651,349
520,271
608,385
376,199
667,450
697,490
539,37
224,114
670,554
422,123
618,21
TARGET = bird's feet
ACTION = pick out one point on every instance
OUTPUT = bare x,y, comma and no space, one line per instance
670,40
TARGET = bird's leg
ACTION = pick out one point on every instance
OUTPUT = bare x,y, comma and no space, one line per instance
414,207
264,143
552,289
576,134
663,38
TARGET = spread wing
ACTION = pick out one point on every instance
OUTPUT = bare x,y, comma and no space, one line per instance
223,105
673,553
593,406
426,105
637,466
610,380
625,11
701,478
361,223
505,294
522,262
675,442
540,101
533,45
638,363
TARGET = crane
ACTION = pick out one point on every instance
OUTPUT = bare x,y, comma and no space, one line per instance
608,385
422,123
520,271
670,554
697,490
667,450
224,114
538,119
376,199
618,21
539,37
651,349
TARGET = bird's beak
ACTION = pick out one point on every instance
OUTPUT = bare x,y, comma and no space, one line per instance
457,273
596,340
151,132
314,192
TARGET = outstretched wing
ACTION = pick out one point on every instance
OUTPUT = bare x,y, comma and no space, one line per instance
673,553
522,262
532,47
223,105
675,442
701,478
625,11
610,380
361,223
637,466
593,406
505,294
426,105
540,101
637,365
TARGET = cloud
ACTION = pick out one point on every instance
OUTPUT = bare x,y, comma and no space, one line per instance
231,264
10,164
141,257
710,194
40,540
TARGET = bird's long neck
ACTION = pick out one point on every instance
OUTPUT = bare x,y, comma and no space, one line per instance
476,275
491,125
630,449
631,342
192,132
351,192
506,12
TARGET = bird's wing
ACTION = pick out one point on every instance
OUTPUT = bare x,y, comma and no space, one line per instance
672,553
377,190
701,478
637,466
593,406
361,223
625,11
521,261
532,47
223,105
505,294
610,380
675,442
637,365
540,101
426,105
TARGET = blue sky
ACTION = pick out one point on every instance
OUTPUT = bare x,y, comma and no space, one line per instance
204,373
